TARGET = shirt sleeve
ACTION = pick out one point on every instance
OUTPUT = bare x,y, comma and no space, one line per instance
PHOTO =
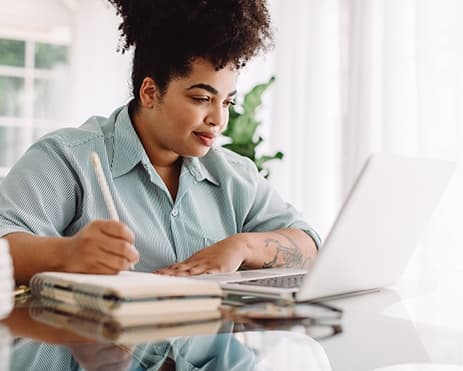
270,212
40,194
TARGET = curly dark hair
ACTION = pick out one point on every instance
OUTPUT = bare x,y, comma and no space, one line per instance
168,35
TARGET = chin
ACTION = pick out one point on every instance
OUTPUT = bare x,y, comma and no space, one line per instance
202,153
197,152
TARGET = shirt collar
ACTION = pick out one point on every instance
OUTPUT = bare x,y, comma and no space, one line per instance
128,150
197,169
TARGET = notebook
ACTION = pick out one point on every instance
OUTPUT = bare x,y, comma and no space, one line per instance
371,241
128,293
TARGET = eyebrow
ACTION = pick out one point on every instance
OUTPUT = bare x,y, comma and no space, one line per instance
209,88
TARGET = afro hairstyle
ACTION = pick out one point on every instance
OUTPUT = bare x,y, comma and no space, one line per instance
168,35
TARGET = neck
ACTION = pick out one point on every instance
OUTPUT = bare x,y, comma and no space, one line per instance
168,164
160,157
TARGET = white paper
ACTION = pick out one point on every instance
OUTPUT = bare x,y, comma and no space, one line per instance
6,279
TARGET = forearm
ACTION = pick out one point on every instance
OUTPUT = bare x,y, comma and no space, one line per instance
20,324
101,247
32,254
288,248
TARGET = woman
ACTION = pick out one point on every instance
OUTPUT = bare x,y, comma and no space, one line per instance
187,206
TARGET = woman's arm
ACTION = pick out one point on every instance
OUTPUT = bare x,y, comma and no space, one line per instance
288,248
101,247
285,248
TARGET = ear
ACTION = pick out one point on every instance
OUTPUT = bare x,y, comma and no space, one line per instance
148,93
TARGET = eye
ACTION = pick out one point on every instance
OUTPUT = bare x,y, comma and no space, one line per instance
202,99
229,103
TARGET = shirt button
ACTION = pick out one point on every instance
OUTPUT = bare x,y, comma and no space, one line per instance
174,212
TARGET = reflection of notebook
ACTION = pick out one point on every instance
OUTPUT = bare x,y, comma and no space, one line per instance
128,330
372,239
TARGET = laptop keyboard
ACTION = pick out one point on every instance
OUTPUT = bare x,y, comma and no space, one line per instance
283,282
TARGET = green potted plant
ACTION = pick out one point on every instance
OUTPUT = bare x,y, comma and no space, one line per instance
242,128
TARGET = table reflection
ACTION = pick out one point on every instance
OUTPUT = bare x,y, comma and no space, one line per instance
243,351
33,345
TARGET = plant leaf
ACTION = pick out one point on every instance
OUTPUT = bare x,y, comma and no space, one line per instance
242,128
261,160
253,99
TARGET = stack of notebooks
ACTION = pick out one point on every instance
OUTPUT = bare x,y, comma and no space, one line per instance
129,307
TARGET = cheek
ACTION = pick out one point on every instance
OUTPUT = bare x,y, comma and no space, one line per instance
187,118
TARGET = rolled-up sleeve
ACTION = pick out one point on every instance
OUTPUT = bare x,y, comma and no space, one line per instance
40,194
270,212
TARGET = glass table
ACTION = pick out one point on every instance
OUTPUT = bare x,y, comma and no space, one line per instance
416,326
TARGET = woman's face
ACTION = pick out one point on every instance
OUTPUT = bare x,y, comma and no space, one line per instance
190,115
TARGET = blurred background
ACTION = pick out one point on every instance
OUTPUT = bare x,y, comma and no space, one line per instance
352,77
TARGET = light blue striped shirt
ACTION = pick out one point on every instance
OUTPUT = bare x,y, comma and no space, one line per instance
53,191
192,353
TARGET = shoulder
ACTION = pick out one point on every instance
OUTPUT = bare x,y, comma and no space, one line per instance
96,131
91,131
225,161
231,169
227,157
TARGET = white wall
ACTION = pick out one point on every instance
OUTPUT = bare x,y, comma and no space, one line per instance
39,16
100,75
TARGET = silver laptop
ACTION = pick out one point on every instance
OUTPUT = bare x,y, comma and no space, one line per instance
370,242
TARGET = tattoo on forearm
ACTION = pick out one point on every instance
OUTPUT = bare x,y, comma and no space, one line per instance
286,255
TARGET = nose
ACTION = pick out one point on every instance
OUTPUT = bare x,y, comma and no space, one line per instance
217,116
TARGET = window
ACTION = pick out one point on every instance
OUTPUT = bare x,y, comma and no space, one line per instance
34,75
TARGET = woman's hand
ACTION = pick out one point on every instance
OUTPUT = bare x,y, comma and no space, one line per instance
101,357
224,256
283,248
103,247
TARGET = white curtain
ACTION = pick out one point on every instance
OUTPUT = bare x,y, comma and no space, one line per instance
361,76
307,109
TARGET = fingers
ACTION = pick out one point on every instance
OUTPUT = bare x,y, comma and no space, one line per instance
118,239
99,263
116,255
115,229
177,269
120,248
189,269
111,264
104,247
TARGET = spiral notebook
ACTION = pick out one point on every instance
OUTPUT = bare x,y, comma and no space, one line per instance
128,293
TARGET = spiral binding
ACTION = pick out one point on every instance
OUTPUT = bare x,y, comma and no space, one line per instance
87,296
94,298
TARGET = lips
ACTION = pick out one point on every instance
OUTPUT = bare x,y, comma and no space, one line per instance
206,138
